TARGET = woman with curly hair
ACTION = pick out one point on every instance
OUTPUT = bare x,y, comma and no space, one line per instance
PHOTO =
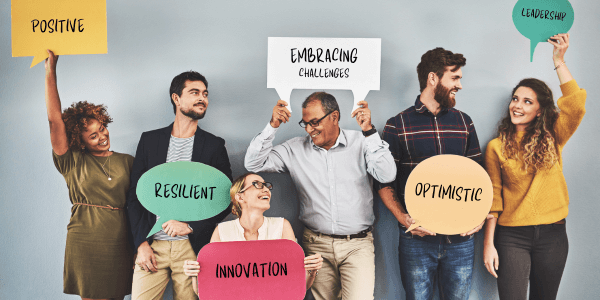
251,197
526,241
98,255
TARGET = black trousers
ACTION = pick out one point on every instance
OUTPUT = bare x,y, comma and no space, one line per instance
535,254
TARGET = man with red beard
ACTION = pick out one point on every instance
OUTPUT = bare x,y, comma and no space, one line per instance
431,127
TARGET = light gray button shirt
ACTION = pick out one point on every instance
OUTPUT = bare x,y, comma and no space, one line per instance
335,185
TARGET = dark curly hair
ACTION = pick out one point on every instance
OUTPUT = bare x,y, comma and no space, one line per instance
538,148
76,120
436,61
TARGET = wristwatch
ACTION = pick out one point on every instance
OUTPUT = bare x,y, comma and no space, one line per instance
369,132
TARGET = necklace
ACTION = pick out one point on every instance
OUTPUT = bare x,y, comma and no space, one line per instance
102,166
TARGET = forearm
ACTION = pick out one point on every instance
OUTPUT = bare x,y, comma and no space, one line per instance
310,279
380,162
564,75
261,156
53,106
490,228
390,200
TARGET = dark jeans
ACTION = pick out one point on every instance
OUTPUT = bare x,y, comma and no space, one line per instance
535,254
423,263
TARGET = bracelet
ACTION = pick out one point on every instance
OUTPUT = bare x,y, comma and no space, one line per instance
316,272
562,63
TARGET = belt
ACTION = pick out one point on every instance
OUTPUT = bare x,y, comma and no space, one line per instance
362,234
99,206
563,221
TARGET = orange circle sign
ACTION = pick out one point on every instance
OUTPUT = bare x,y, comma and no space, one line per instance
448,194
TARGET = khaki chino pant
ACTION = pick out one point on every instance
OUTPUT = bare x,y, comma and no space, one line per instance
348,270
170,256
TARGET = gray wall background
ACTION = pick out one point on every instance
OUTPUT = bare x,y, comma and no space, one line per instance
152,41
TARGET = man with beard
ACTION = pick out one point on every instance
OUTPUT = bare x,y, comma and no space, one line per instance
431,127
161,256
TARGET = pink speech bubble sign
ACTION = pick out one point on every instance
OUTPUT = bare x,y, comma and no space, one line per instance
268,270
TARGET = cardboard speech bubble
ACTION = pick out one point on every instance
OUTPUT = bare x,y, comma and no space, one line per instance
324,63
538,20
63,26
268,270
448,194
183,191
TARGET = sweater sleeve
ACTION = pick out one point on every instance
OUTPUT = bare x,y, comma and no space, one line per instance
492,166
572,109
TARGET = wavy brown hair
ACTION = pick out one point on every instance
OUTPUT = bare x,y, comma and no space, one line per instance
538,147
76,120
236,187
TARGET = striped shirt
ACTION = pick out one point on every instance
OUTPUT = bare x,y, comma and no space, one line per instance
416,134
180,149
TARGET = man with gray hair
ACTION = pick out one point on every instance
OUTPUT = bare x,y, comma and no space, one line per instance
333,170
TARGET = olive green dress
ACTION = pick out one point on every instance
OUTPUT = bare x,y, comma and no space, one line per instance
98,255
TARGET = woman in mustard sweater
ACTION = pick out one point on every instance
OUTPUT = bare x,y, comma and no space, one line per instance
527,237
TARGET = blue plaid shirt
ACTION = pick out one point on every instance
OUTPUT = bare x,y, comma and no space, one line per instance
416,134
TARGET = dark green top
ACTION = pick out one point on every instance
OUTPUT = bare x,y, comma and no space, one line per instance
98,255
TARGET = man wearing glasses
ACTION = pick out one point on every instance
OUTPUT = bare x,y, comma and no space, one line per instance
333,170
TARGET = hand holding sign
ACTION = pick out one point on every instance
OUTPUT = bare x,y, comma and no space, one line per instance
323,63
363,116
538,20
272,269
280,114
448,194
65,26
183,191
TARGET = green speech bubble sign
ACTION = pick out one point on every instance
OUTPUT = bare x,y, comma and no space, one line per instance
538,20
183,191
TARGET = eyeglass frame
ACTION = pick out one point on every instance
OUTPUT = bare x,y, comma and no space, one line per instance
255,183
310,122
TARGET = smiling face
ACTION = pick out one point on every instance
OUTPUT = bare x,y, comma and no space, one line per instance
447,87
326,133
193,101
253,198
95,138
524,108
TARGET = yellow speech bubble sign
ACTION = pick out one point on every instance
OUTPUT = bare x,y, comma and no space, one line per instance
448,194
63,26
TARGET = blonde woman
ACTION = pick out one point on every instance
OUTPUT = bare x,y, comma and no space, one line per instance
251,197
527,242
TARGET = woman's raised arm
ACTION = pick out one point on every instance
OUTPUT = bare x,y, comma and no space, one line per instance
58,133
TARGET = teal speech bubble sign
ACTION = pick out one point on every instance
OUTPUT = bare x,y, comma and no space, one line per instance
183,191
538,20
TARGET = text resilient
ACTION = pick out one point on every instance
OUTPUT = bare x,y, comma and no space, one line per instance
181,190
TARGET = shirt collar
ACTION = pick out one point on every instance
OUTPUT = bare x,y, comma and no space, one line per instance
421,108
341,140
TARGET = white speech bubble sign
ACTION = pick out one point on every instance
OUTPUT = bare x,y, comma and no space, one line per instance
324,63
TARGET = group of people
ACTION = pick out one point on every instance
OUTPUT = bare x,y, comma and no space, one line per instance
335,172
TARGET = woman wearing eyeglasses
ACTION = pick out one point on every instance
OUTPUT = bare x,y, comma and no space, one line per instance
251,197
